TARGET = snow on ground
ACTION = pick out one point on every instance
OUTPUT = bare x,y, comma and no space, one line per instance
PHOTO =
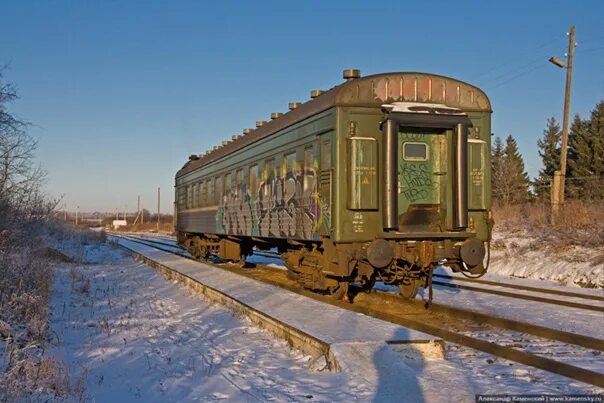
135,336
544,284
493,375
520,254
575,320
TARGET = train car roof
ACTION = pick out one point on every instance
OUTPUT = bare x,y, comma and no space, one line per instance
369,91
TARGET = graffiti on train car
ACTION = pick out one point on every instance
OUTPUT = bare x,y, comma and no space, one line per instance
417,181
286,207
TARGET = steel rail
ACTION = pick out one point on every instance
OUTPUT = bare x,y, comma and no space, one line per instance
523,357
172,245
522,296
522,287
149,242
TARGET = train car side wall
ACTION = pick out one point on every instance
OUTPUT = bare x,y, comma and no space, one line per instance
291,189
479,175
357,198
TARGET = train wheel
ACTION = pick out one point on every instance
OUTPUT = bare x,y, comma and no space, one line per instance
408,288
204,253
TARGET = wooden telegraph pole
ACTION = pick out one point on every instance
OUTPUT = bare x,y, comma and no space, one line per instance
158,205
557,195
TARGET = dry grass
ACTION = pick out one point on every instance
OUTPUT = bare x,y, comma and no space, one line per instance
26,277
46,374
79,281
578,222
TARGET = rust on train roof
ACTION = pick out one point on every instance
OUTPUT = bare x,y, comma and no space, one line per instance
369,91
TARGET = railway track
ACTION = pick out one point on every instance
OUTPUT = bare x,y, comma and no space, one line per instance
522,287
440,320
504,293
528,297
173,246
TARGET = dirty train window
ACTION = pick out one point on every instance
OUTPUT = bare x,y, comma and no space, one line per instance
415,151
253,181
326,157
290,160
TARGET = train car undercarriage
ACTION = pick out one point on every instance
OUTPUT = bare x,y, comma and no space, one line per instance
330,268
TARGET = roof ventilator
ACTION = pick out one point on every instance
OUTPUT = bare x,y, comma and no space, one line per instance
351,74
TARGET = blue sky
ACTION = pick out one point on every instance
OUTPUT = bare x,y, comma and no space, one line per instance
120,93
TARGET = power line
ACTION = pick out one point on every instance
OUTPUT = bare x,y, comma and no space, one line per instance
514,60
523,73
589,50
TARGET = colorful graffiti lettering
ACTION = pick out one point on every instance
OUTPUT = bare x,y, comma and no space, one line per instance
286,207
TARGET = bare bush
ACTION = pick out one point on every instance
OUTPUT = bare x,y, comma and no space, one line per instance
26,267
43,374
578,222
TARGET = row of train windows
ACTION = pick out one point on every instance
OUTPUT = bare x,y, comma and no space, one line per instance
210,192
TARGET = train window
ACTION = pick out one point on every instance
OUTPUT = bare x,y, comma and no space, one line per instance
308,174
253,180
210,201
269,169
182,196
239,183
218,190
309,158
269,172
415,151
227,184
362,171
202,194
326,156
290,161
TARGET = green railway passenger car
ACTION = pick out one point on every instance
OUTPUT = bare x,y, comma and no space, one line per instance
380,178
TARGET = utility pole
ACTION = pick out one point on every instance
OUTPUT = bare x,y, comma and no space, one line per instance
560,176
158,209
142,214
138,211
77,212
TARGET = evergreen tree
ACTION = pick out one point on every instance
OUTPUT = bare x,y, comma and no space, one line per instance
549,151
510,181
497,174
586,156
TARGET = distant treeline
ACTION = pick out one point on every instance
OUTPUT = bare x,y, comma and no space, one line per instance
585,163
